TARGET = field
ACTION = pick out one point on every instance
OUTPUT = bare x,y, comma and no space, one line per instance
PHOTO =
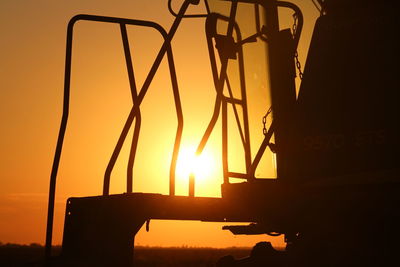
12,255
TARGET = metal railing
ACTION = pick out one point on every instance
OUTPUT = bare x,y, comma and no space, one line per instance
221,103
137,98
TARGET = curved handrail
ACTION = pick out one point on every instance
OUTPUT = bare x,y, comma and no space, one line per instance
165,48
219,83
250,166
66,99
223,100
195,2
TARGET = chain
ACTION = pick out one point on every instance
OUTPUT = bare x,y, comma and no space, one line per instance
264,121
298,66
272,146
296,54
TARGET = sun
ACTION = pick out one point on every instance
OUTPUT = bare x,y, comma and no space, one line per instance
201,166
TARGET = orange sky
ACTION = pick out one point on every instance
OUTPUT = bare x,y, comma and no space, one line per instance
32,54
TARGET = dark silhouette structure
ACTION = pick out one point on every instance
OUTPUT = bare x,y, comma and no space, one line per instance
262,254
336,142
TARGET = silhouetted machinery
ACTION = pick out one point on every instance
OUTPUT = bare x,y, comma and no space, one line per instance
337,192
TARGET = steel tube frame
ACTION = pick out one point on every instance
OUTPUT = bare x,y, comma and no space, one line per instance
137,99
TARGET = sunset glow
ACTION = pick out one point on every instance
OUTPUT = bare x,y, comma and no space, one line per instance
202,166
33,46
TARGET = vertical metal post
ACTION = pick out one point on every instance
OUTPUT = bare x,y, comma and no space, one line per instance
167,47
225,140
132,83
247,149
60,141
272,22
281,48
191,184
